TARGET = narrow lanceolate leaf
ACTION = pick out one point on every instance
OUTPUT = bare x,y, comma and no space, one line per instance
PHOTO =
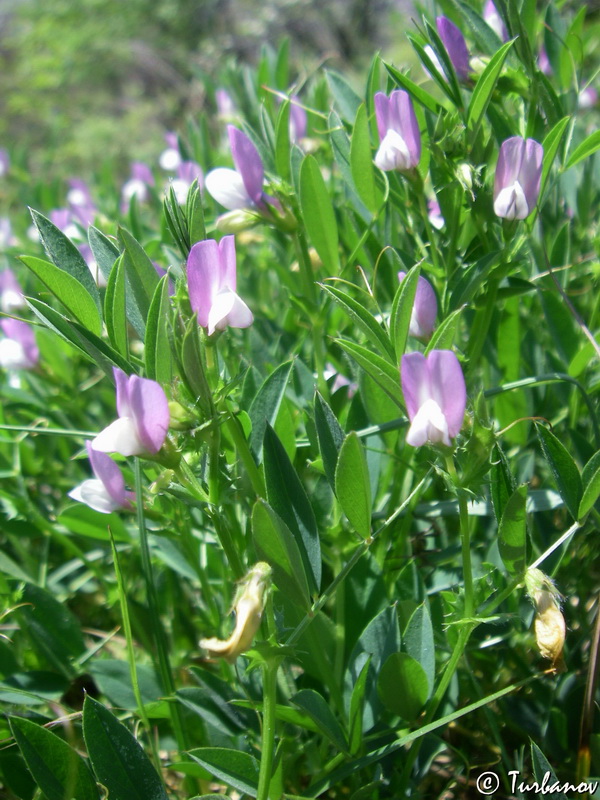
361,162
402,686
68,291
119,762
512,533
114,309
585,149
502,483
157,349
58,770
427,100
265,406
444,335
104,249
330,436
402,307
63,253
484,89
142,280
319,711
318,214
282,142
275,544
236,768
346,99
353,486
382,372
590,478
365,321
551,143
563,468
287,497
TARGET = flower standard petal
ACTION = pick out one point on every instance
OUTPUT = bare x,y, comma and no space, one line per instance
150,409
227,187
455,45
204,277
448,387
247,162
228,271
404,120
530,174
122,386
509,163
382,113
415,382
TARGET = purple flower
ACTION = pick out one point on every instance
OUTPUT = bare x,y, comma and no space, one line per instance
495,21
143,422
18,349
4,162
137,185
225,105
63,219
211,273
544,62
298,120
424,312
400,146
588,98
518,176
106,492
187,173
435,214
241,187
435,396
455,45
170,159
11,294
80,202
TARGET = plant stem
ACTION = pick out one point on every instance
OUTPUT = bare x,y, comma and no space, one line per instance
269,669
465,539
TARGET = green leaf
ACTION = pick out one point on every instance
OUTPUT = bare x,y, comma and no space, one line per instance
58,770
403,686
194,213
276,545
236,768
318,214
585,149
419,643
512,532
288,499
317,709
346,99
114,309
444,335
551,143
357,704
382,372
361,163
266,404
365,321
330,436
544,773
427,100
340,146
63,253
142,280
402,308
119,761
485,38
590,479
353,486
113,678
104,250
192,368
563,468
69,291
282,142
157,349
502,483
484,89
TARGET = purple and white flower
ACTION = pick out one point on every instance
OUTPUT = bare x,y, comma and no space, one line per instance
18,348
4,162
138,185
187,173
241,187
518,177
170,158
212,281
11,294
435,396
399,134
143,422
424,311
455,45
298,120
106,492
495,21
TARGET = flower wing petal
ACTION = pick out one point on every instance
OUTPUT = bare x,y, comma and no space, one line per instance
227,187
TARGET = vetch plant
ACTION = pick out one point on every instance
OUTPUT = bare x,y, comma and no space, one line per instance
400,139
455,45
241,187
106,492
517,179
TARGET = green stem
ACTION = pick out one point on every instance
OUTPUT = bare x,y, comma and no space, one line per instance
160,640
428,230
481,325
234,429
306,270
465,541
269,668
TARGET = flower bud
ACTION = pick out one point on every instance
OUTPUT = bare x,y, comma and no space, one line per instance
248,605
236,221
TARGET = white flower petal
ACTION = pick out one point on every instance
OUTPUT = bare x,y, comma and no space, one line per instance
393,153
119,437
12,355
227,188
93,493
169,159
428,425
511,203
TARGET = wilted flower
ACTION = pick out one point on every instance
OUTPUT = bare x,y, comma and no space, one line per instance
424,311
241,187
549,624
170,158
518,176
138,184
400,146
212,280
495,21
455,45
435,396
143,422
18,348
11,294
249,605
106,492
